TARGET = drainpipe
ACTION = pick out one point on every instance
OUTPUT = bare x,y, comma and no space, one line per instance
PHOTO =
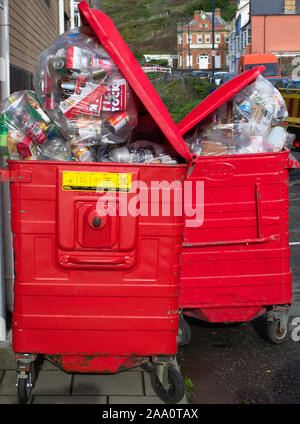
61,11
6,249
72,23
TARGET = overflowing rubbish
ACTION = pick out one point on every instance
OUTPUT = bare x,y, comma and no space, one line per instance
83,109
247,123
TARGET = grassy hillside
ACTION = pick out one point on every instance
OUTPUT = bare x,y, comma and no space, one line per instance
146,24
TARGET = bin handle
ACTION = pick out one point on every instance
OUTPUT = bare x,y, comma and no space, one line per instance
260,238
79,260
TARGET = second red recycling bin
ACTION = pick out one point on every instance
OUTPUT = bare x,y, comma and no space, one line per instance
98,294
235,266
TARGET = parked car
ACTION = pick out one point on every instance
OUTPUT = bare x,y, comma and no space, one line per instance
280,82
219,76
226,77
293,85
201,75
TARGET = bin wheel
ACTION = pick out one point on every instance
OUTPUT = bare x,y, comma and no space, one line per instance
25,385
176,389
184,332
273,332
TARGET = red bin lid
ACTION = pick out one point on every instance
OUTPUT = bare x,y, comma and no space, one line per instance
218,97
112,41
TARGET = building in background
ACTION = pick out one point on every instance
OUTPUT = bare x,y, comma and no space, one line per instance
195,44
33,26
264,26
276,29
239,39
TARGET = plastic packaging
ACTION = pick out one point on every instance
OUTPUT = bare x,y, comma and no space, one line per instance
30,133
247,123
141,151
83,91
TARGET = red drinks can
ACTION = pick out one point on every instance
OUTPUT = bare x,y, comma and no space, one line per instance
35,132
25,147
75,58
104,64
117,122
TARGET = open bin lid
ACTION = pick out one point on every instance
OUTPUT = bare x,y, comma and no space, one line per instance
218,97
112,41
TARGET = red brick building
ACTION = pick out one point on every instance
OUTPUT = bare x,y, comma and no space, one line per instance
195,42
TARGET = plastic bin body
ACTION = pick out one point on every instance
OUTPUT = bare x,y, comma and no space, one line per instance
98,296
236,264
92,298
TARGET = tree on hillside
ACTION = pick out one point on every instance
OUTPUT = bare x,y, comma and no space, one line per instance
228,7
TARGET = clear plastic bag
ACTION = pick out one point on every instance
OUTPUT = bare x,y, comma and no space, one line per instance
142,151
31,134
83,91
247,123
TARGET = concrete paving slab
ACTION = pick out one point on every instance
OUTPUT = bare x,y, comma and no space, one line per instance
149,378
52,383
8,383
48,366
125,383
131,400
9,400
7,359
74,400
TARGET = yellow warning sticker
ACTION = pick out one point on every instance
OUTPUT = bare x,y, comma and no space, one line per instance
96,181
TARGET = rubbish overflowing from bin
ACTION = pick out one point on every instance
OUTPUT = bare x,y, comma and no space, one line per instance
83,109
247,123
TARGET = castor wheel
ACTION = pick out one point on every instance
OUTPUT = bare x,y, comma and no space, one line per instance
274,333
184,332
26,380
176,389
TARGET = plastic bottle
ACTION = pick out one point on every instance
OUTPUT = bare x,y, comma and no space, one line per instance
55,149
3,138
276,139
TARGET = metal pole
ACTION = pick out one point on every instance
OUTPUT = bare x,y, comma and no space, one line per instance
61,10
6,249
213,41
188,21
171,45
182,44
72,14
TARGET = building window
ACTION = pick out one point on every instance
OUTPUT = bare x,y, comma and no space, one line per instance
203,25
249,39
218,38
189,39
179,39
207,38
199,39
244,39
189,61
47,2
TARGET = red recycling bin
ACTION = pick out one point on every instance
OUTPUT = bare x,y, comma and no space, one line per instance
235,265
93,293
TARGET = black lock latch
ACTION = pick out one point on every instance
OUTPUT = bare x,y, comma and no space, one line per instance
97,222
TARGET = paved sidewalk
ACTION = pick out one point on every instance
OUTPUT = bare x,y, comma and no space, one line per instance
57,387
